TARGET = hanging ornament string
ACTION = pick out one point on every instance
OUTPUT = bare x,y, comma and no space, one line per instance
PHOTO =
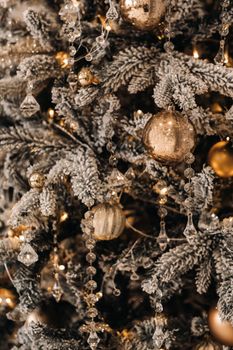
223,31
190,231
168,45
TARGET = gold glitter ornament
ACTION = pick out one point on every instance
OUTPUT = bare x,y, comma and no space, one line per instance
86,77
169,136
220,158
143,14
221,330
36,180
108,221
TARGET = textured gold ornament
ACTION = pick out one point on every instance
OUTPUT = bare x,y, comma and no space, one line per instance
108,221
221,330
169,136
143,14
86,77
36,180
220,158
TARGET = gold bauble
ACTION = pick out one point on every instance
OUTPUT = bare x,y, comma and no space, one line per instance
220,158
86,77
108,221
169,136
36,180
143,14
221,330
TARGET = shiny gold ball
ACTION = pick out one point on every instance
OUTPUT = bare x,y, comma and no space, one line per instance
108,221
86,77
221,330
143,14
169,136
220,158
36,180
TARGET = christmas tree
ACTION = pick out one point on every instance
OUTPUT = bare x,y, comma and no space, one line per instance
116,174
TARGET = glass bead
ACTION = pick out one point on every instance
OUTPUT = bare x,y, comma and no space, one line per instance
159,186
27,255
147,263
92,312
163,200
57,292
112,13
134,276
187,187
91,299
100,40
91,285
190,231
29,106
89,57
168,46
188,203
224,30
91,270
116,292
93,340
189,173
162,237
91,257
72,51
162,212
189,158
90,243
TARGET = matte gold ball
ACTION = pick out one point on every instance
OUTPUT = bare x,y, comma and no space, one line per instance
169,136
220,158
221,330
143,14
36,180
108,221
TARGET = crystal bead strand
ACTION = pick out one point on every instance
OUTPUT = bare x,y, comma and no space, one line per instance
190,231
101,41
223,31
91,297
57,291
162,190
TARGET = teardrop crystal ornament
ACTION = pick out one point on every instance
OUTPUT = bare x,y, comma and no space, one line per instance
190,232
57,291
28,255
162,237
29,106
112,13
93,340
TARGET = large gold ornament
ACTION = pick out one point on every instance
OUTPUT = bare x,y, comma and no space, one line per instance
169,136
221,330
108,221
143,14
220,158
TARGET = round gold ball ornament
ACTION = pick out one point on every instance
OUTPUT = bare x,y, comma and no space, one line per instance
86,77
36,180
108,221
143,14
222,331
220,158
169,136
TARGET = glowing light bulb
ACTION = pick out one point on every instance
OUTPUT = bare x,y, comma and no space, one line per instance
195,53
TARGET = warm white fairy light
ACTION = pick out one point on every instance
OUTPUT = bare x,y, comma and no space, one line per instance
195,53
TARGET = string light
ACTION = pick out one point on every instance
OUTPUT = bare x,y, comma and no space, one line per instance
195,53
63,59
64,216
